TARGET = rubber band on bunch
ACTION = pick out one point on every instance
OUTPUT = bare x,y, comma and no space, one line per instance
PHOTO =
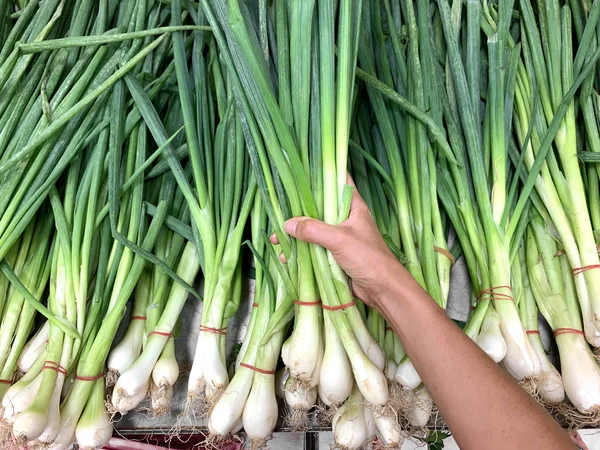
53,365
446,253
560,331
161,333
258,370
301,303
205,329
5,382
442,251
532,332
491,294
339,307
94,378
138,318
580,270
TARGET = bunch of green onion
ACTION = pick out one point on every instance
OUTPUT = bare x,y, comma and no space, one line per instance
295,98
73,211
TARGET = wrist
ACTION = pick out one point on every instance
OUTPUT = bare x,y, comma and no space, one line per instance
393,280
401,291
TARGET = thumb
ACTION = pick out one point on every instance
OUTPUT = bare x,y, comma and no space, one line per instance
314,231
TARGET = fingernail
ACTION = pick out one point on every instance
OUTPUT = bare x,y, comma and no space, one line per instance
290,226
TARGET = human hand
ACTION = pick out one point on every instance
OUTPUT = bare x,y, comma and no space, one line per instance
357,246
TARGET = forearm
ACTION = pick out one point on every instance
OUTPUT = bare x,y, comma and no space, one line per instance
481,404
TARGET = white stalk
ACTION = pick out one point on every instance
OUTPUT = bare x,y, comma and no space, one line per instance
371,348
19,397
125,403
314,379
490,338
31,422
370,380
419,414
124,354
33,349
166,369
335,376
261,411
66,436
390,369
228,409
549,382
59,444
389,429
371,425
53,424
160,398
302,353
164,376
520,360
208,369
407,375
132,386
94,428
300,397
128,350
580,372
349,425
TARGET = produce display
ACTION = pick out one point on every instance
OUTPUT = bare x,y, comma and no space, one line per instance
152,150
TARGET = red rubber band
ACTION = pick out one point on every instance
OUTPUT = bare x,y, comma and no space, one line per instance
52,365
472,307
255,305
388,329
532,332
560,331
492,295
339,307
213,330
442,251
161,333
97,377
300,303
446,253
5,382
580,270
138,318
256,369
